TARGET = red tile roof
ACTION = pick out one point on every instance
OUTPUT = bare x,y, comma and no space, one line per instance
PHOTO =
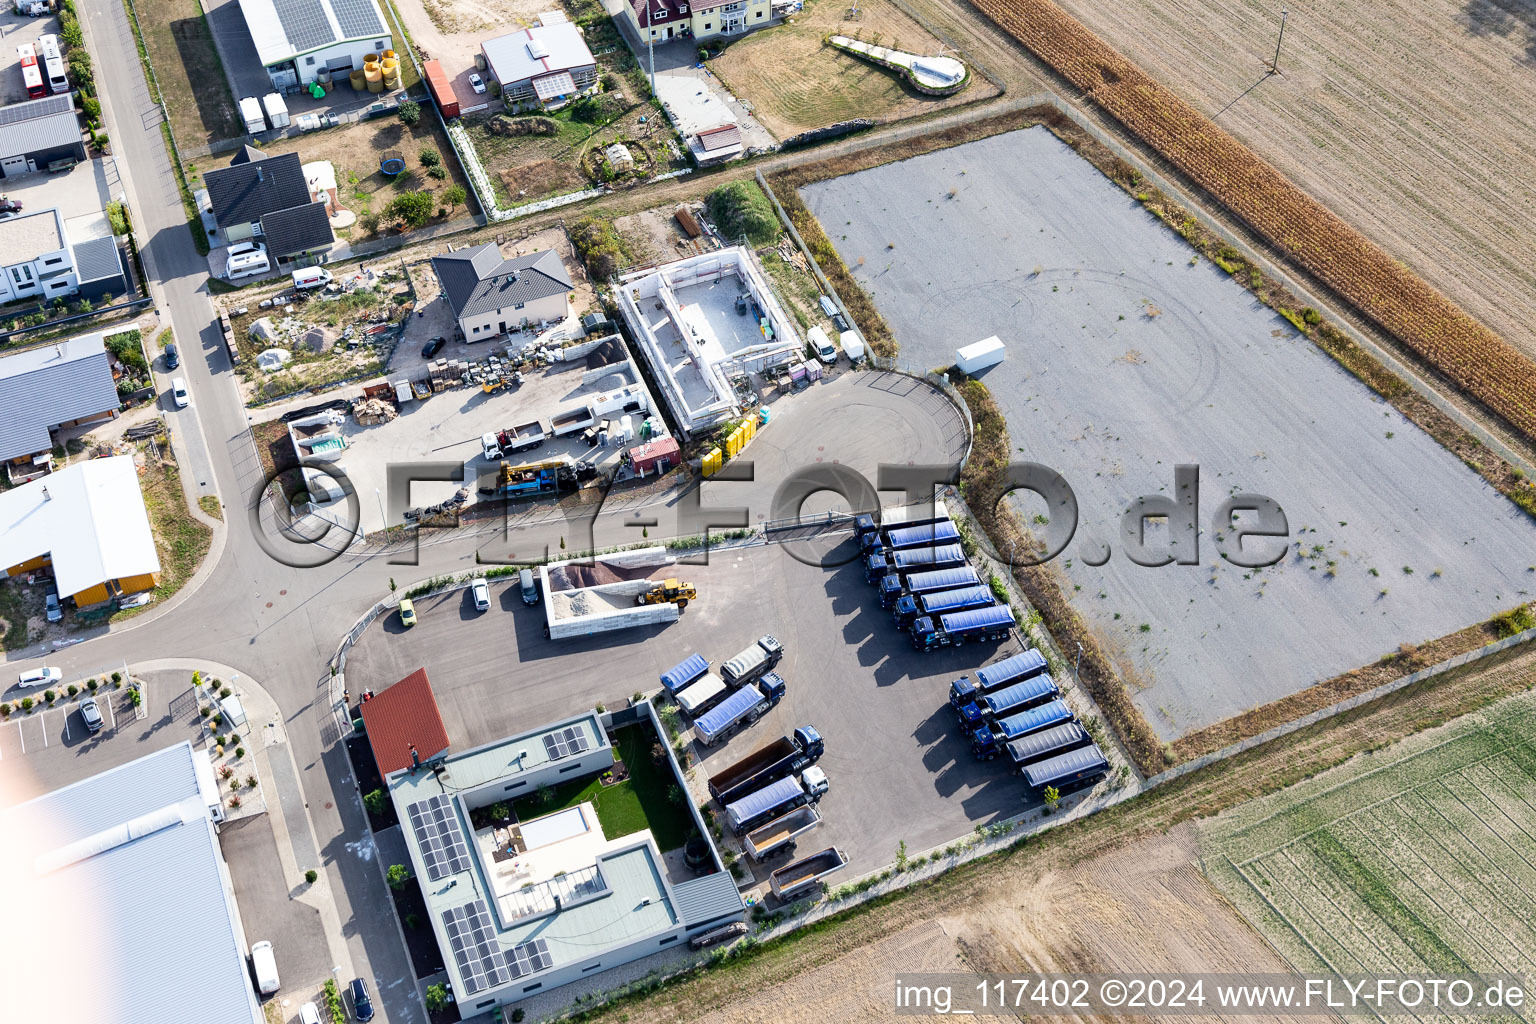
658,12
403,715
720,137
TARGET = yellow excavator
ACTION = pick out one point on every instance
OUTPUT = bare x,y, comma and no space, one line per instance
675,591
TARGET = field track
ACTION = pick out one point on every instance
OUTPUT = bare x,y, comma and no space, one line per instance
1445,336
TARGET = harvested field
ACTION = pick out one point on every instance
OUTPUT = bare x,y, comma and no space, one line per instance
797,83
1428,324
1414,860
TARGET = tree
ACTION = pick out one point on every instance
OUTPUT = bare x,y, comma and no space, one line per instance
414,208
437,998
455,196
311,875
398,875
410,111
1052,797
374,801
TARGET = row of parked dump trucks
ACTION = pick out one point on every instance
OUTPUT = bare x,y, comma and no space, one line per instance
769,797
913,556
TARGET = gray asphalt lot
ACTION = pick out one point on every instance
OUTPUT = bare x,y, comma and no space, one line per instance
898,766
1127,355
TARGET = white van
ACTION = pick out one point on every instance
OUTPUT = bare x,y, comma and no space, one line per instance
310,278
822,345
40,676
853,348
246,259
266,968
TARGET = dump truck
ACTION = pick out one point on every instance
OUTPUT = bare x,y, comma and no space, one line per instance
775,799
988,741
674,591
684,672
894,585
1016,669
702,694
779,835
955,628
927,535
910,560
1047,743
523,437
1077,769
787,755
751,663
1010,700
802,874
739,710
940,602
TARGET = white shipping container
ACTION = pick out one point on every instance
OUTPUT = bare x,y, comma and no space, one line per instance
985,353
277,110
250,113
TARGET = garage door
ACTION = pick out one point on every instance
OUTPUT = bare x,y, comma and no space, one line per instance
13,165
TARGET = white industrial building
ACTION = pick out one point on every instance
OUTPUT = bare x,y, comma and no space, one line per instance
301,41
696,336
120,894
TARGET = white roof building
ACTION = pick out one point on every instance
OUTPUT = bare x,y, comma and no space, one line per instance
545,63
301,40
124,870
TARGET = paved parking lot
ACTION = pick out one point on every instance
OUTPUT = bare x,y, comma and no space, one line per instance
898,766
15,30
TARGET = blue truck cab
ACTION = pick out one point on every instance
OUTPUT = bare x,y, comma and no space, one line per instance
875,568
1011,699
1025,665
891,590
990,739
940,602
992,623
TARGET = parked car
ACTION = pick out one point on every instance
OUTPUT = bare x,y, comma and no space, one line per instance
477,83
265,965
52,608
91,714
9,206
309,1013
362,1006
526,580
433,347
407,612
179,393
172,357
41,676
480,593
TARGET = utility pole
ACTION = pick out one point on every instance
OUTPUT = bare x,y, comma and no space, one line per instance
1275,64
650,42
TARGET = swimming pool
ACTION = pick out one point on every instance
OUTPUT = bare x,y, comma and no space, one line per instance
552,829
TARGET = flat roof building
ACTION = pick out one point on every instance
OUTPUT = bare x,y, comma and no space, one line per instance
125,868
302,41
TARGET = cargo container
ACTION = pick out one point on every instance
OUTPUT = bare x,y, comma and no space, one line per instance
1009,700
702,694
251,115
655,457
775,799
894,586
739,710
802,874
1077,769
987,741
277,110
1018,668
787,755
954,629
779,835
1046,743
751,663
939,602
910,560
442,89
895,517
984,353
684,672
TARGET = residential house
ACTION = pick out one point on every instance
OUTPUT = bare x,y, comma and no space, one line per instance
42,258
64,384
696,19
267,198
39,135
490,295
304,41
543,67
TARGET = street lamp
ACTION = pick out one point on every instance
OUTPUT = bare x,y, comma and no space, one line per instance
382,517
1275,64
1078,665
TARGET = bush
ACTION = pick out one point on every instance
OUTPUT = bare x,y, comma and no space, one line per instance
91,684
117,214
437,173
239,752
741,209
224,692
429,157
369,221
410,111
5,711
413,208
311,875
26,704
250,782
455,196
232,738
117,677
500,812
436,998
50,696
71,689
1516,620
397,876
374,801
413,920
600,246
333,1006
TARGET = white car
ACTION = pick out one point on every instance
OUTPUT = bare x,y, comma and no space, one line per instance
822,345
477,83
309,1013
480,593
179,393
42,676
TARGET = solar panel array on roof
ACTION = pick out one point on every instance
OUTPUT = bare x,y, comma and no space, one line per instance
481,962
304,23
439,837
529,958
36,108
357,18
565,742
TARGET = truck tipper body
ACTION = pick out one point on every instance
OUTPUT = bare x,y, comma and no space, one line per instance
523,437
939,602
943,532
1047,743
898,517
787,755
779,835
894,585
1016,669
684,672
751,663
775,799
739,710
988,740
799,876
910,560
702,694
1010,700
930,633
1076,769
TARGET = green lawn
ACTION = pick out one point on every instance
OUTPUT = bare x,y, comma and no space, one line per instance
639,802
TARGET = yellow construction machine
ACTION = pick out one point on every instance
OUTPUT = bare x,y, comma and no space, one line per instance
675,591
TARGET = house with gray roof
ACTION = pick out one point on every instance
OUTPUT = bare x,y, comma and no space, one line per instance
267,198
127,864
39,134
63,384
490,295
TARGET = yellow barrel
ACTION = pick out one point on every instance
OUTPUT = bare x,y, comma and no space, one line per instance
358,81
391,84
389,54
370,58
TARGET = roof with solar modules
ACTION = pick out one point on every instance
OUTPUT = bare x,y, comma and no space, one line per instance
284,29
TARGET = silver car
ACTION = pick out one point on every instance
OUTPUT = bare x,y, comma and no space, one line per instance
52,608
91,714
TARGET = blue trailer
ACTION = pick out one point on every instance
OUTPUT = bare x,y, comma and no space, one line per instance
942,532
1010,700
894,586
1077,769
910,560
684,672
1047,743
988,740
775,798
939,602
741,708
954,629
994,677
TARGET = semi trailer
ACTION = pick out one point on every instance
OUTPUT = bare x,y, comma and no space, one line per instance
750,664
1047,743
1011,699
988,740
942,532
955,628
894,585
739,710
684,672
779,835
775,799
787,755
1077,769
910,560
1016,669
802,874
702,694
940,602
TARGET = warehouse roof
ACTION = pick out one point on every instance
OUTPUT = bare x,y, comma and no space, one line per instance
127,860
38,124
536,51
283,29
402,717
249,190
297,229
479,281
55,384
89,517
